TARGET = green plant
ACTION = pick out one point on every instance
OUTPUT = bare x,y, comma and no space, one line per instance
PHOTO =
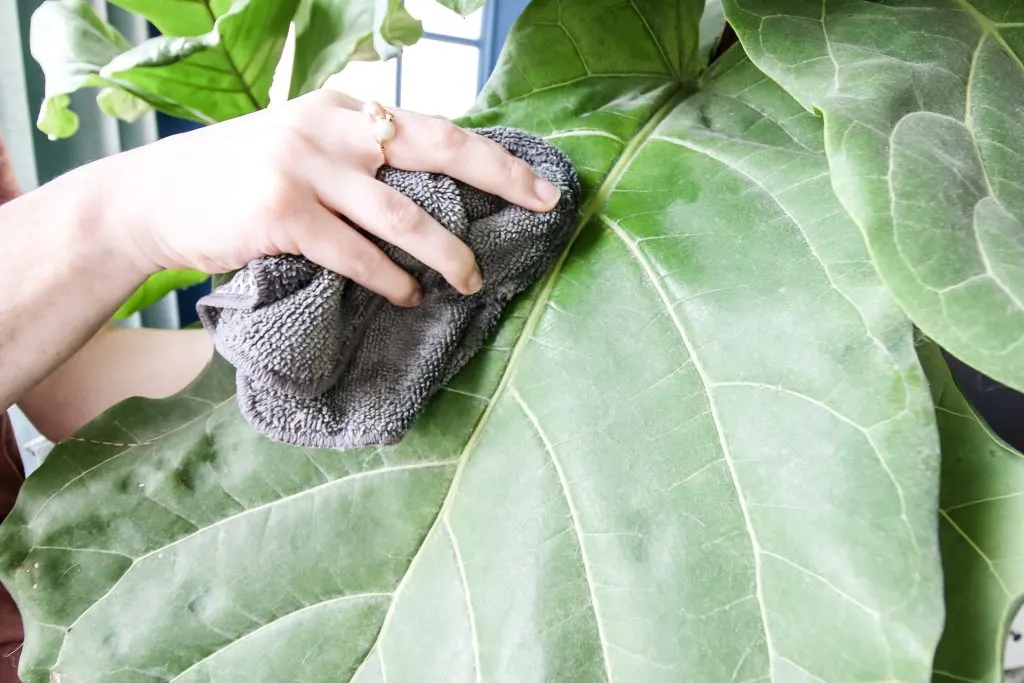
705,447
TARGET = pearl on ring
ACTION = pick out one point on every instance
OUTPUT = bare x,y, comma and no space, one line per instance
383,129
382,126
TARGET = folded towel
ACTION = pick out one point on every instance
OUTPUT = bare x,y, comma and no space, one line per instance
324,362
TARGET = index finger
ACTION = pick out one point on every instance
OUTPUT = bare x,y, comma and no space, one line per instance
423,143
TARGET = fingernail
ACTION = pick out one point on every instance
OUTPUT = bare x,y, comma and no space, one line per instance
417,298
476,281
547,192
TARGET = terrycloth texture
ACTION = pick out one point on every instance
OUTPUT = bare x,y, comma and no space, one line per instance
323,362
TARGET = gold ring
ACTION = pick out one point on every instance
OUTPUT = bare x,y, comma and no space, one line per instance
383,123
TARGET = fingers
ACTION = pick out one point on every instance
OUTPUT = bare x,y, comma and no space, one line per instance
424,143
328,242
393,217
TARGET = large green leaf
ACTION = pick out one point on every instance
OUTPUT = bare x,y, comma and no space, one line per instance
217,75
925,138
981,534
700,449
329,34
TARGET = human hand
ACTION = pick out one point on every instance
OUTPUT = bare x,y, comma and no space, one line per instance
270,183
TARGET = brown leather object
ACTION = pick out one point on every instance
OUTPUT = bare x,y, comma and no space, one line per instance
8,183
12,475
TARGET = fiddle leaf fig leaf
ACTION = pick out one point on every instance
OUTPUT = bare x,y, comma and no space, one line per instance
71,44
157,287
696,445
981,522
463,7
121,104
214,76
179,17
330,34
395,28
921,103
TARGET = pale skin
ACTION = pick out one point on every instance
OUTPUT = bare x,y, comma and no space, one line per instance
265,184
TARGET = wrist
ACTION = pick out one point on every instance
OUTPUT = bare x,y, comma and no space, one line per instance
100,226
62,275
81,234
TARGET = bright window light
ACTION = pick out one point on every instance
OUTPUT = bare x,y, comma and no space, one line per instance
437,18
439,78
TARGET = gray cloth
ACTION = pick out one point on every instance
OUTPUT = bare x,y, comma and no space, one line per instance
324,362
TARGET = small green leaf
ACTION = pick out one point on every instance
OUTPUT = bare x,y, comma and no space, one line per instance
157,287
327,34
395,28
330,34
71,44
217,75
981,532
925,137
121,104
463,7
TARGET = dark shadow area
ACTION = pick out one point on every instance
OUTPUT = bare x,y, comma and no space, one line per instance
1000,406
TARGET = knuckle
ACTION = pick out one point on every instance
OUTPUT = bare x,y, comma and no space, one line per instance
405,291
283,147
280,196
517,172
449,137
324,97
460,260
299,114
279,189
403,217
308,111
364,264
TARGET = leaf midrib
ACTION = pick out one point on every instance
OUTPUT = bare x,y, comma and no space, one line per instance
587,214
990,27
246,90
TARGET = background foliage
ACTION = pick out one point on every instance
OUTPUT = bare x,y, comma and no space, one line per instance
215,60
706,446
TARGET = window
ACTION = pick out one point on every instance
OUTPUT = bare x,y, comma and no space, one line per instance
439,75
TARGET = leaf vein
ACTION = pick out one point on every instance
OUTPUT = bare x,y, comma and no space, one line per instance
469,603
271,504
719,429
576,526
275,620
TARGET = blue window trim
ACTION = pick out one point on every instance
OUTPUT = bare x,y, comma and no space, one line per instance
498,19
456,40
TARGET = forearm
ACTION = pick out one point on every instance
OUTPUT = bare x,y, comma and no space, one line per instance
114,365
60,279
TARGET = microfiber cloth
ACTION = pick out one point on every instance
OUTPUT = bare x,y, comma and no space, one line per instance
323,362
